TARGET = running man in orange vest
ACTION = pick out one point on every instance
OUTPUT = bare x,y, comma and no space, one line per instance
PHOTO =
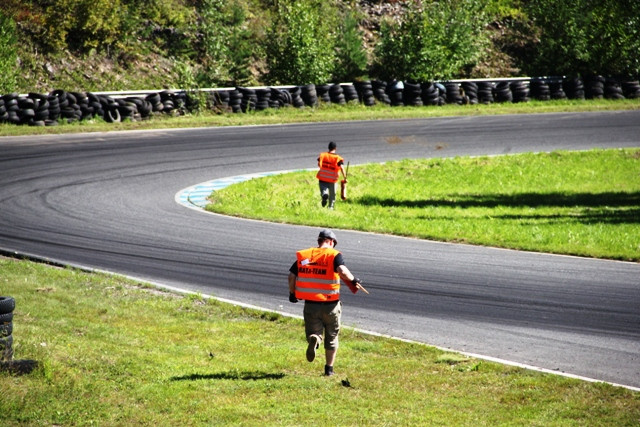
330,165
315,278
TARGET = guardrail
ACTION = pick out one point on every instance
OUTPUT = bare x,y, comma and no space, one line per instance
48,109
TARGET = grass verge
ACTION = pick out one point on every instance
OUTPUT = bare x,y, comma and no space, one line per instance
584,203
326,113
114,352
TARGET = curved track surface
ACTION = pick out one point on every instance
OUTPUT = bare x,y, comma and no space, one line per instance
106,201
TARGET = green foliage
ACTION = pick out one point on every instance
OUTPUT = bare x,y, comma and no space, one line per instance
614,37
8,54
196,99
255,42
83,24
301,42
439,40
584,37
563,46
352,61
225,43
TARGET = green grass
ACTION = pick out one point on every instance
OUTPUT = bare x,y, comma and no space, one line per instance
326,113
114,352
584,203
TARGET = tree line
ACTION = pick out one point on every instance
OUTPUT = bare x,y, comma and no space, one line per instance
293,42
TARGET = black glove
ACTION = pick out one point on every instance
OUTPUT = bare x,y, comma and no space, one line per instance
354,285
292,297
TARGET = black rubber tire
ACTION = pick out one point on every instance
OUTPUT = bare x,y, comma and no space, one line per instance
7,305
112,115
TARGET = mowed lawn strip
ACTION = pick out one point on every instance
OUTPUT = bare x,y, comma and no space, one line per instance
584,203
114,352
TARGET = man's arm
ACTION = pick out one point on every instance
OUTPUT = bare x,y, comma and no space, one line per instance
292,283
345,274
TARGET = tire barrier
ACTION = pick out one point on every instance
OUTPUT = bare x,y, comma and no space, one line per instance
520,91
366,96
574,88
485,92
395,92
50,109
502,92
613,89
412,94
7,362
309,95
380,91
470,92
539,89
454,94
631,89
7,305
336,94
350,93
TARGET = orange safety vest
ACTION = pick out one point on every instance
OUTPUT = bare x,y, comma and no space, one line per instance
317,280
329,167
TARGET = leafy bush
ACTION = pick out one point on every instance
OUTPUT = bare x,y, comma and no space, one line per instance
300,43
225,43
352,61
439,40
584,37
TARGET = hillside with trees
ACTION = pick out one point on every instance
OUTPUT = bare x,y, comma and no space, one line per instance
102,45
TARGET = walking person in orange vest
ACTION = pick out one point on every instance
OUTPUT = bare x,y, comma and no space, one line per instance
330,165
315,278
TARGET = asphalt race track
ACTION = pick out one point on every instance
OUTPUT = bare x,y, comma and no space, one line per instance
107,201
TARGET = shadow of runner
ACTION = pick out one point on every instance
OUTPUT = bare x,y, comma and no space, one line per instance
608,207
231,375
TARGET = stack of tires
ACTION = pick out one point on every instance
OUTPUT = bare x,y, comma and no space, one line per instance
263,99
556,90
235,100
395,93
350,93
470,90
296,98
365,92
595,87
612,89
430,94
520,91
309,95
539,89
631,89
219,100
485,92
336,94
503,92
322,91
574,88
412,94
380,91
453,93
173,102
153,99
7,305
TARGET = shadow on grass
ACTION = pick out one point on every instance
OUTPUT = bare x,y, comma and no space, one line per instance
593,203
231,375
